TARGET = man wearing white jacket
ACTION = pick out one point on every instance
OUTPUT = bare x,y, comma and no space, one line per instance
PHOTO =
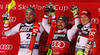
25,31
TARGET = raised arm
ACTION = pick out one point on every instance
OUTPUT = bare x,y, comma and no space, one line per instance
6,22
45,23
12,31
74,29
49,16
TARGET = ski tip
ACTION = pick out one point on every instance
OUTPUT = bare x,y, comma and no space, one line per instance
29,52
53,23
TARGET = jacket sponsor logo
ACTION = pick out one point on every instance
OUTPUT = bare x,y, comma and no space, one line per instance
42,48
26,28
59,44
71,49
58,35
6,47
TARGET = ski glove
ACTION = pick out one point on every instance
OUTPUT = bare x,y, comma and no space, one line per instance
6,18
74,10
49,9
80,52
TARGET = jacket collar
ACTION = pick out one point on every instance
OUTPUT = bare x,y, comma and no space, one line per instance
85,26
59,31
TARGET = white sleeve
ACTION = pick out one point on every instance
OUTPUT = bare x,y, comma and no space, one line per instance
13,31
71,32
45,24
41,27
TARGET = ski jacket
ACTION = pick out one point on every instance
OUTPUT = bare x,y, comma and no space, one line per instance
83,37
25,31
62,38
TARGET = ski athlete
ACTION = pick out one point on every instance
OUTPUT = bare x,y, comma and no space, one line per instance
84,32
25,31
62,37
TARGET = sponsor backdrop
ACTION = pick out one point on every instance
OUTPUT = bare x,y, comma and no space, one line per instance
10,45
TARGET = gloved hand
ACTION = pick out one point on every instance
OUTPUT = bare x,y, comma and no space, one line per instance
49,9
52,13
80,52
6,17
48,52
74,10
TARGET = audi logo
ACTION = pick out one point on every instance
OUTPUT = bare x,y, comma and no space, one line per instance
3,33
42,48
71,49
6,47
12,19
59,44
95,20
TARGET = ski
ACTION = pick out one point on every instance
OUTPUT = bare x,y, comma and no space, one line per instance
47,50
91,38
34,34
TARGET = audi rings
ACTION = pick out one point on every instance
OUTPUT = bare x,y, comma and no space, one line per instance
6,47
95,20
59,44
12,19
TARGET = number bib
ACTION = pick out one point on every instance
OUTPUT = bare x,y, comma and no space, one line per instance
83,37
81,42
25,35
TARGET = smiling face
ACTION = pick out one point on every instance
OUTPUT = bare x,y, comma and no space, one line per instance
29,17
61,24
84,19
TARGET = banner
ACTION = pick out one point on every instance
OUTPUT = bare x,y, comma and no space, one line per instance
10,45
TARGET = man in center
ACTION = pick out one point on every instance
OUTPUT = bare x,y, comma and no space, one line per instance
62,37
